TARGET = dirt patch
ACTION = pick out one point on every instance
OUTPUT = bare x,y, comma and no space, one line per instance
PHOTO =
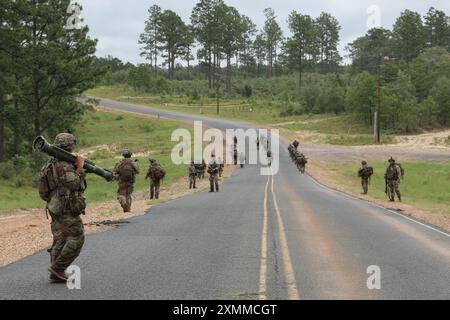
25,232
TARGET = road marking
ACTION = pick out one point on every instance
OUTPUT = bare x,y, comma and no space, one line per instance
293,292
379,206
265,233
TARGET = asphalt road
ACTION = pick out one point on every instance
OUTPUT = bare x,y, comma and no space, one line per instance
280,237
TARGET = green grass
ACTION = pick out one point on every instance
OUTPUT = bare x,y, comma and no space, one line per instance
426,184
117,131
342,129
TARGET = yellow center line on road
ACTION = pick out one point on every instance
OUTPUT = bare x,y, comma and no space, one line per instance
265,233
293,293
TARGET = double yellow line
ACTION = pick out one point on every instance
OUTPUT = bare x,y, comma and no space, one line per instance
293,292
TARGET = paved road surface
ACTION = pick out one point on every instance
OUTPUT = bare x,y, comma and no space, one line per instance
281,237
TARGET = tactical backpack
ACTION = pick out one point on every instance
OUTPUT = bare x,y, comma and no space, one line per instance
158,172
61,200
366,172
127,172
392,173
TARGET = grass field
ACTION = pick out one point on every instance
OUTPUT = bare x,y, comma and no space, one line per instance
105,135
426,185
337,129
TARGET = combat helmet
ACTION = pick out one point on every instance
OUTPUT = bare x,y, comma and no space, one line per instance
65,141
126,153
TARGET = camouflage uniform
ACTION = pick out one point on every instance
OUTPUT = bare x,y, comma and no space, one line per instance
392,176
213,170
62,186
126,171
192,176
156,173
365,172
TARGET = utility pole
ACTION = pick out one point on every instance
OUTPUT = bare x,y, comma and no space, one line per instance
217,83
378,115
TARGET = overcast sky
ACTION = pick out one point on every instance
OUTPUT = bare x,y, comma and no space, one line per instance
118,23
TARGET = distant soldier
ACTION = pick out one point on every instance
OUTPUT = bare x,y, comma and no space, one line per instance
126,171
365,173
61,184
156,173
269,157
192,176
221,167
392,177
203,168
242,160
213,170
301,162
296,144
198,167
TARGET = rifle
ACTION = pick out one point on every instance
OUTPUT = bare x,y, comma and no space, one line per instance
41,145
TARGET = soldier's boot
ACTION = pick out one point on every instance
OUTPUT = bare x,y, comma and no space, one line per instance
57,275
55,279
399,195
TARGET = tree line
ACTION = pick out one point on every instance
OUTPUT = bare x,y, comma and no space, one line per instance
409,63
222,34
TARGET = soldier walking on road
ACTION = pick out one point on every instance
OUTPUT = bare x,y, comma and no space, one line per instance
203,169
365,173
392,177
61,184
221,167
213,170
242,160
269,157
156,173
126,171
192,176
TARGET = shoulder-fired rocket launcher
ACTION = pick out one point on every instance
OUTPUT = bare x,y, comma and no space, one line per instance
41,145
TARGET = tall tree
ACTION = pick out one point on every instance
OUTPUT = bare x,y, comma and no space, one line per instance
232,30
172,36
409,35
247,54
149,38
259,46
365,51
204,24
188,41
53,64
302,45
437,28
328,39
273,36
